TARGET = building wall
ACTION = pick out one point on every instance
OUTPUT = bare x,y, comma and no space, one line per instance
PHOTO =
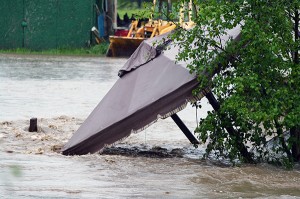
46,24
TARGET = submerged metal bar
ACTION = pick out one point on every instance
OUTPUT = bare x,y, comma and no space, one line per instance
184,129
213,101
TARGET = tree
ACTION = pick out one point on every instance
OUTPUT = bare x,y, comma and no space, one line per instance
139,2
255,80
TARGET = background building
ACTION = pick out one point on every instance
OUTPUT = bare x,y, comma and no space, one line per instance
46,24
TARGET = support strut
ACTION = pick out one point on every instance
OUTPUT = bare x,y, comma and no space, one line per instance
184,129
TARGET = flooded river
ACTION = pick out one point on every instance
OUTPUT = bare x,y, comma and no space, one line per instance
156,163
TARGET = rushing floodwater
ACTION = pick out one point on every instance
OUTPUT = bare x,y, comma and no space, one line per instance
48,87
53,86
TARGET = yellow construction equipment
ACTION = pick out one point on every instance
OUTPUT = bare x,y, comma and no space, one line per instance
124,46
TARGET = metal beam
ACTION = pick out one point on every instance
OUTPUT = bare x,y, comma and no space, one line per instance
184,129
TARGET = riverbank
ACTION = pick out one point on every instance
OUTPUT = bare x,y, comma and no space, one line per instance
97,50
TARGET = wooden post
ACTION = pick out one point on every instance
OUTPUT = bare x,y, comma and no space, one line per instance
111,16
33,125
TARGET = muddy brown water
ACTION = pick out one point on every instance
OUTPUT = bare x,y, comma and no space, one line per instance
156,163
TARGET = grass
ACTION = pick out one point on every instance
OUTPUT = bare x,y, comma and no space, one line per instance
92,51
131,8
138,13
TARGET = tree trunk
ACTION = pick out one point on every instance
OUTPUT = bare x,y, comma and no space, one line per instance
296,32
248,157
111,17
295,131
282,140
139,3
295,134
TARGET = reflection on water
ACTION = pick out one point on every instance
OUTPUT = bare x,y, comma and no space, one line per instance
47,87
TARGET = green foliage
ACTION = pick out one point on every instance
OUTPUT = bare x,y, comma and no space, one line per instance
131,8
255,79
99,49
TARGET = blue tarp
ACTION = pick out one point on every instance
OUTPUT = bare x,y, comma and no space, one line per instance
101,25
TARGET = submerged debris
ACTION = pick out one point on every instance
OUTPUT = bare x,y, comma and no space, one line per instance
53,133
154,152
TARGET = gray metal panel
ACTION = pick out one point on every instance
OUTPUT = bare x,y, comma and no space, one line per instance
50,23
